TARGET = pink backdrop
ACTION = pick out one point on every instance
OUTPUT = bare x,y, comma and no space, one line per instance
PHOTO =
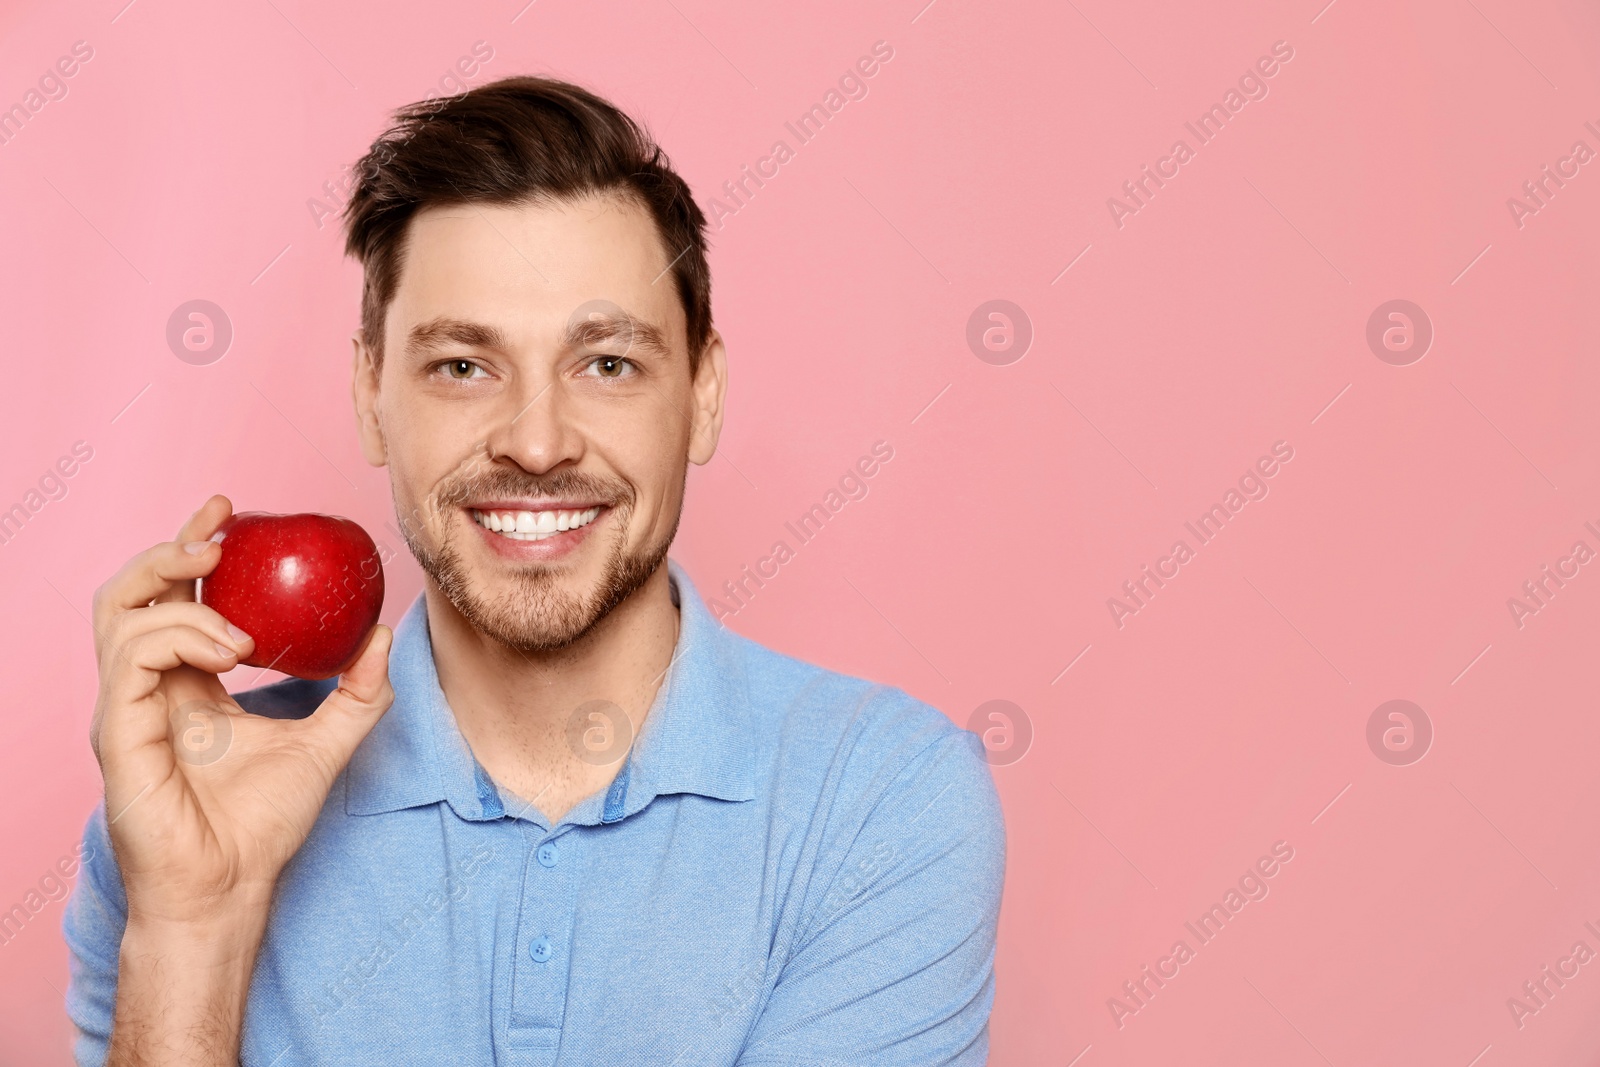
1175,340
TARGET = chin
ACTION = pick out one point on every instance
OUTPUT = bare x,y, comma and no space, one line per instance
533,609
539,605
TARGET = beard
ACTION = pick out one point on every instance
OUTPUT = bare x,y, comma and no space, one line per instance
532,611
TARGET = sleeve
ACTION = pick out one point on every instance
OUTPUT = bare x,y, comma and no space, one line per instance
896,965
92,923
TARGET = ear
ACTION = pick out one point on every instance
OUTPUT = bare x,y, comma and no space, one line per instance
364,391
710,388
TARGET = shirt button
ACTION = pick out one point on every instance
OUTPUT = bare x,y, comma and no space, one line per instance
540,949
547,854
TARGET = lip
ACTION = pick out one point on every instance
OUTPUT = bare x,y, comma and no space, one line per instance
552,548
531,504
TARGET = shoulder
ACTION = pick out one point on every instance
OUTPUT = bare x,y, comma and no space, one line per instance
865,748
292,698
896,832
815,704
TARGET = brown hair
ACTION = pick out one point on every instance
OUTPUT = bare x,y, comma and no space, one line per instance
513,141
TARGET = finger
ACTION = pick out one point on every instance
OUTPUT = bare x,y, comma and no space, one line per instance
130,719
131,624
350,711
204,522
152,573
201,527
174,689
135,669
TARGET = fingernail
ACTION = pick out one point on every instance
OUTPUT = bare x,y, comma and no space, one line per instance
194,548
224,650
237,634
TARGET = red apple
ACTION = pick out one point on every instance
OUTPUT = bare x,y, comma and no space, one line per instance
307,587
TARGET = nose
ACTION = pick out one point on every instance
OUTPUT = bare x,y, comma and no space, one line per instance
536,429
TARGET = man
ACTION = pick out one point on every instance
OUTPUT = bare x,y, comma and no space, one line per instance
594,826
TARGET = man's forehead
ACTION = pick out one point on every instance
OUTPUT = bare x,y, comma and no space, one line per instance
534,266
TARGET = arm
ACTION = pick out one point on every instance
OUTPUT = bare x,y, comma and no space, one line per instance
207,805
896,962
181,990
191,978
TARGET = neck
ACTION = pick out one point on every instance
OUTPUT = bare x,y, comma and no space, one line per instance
515,708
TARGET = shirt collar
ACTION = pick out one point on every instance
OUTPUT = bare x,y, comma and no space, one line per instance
696,738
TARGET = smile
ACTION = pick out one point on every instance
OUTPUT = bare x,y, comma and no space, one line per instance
533,525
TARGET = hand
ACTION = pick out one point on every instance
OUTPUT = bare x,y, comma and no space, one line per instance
202,833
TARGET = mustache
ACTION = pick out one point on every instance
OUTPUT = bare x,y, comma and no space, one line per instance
466,486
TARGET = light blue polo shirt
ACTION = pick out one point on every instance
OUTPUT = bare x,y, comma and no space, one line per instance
791,867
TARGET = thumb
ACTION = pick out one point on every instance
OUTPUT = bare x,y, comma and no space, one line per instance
364,694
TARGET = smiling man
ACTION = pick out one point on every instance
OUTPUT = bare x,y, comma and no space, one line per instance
560,815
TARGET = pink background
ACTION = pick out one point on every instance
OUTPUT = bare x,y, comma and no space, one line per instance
1227,314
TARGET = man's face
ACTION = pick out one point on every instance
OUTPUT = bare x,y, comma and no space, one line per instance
536,410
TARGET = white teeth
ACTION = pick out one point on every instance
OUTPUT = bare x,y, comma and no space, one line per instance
534,525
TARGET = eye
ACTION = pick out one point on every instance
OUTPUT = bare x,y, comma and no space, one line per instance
463,369
612,367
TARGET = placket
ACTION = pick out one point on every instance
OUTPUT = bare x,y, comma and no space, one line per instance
543,947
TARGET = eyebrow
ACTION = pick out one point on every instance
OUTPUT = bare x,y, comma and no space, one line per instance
443,331
600,328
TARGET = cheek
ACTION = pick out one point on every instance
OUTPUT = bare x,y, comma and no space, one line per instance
649,454
411,457
427,443
657,498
